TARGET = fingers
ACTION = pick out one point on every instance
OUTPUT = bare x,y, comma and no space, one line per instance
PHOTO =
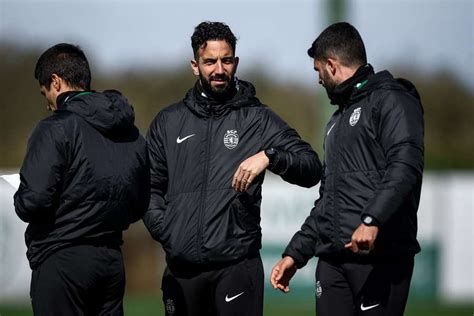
275,276
242,179
363,239
236,178
248,170
244,182
282,273
359,246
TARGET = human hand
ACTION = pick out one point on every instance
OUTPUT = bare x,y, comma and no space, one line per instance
248,170
363,239
282,273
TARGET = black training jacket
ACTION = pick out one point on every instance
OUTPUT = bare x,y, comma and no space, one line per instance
373,166
195,147
85,176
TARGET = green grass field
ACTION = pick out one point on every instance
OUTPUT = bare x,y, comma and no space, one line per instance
274,306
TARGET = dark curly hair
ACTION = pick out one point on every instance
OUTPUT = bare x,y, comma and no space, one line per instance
340,40
211,31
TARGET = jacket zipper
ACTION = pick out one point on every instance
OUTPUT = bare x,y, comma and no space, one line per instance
204,188
335,158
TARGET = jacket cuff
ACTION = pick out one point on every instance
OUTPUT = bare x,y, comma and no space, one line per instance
299,260
375,222
276,165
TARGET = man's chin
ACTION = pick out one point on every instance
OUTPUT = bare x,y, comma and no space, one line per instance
220,89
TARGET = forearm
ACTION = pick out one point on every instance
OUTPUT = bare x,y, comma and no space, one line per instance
31,206
301,167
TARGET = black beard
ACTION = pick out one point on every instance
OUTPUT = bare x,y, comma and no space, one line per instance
215,91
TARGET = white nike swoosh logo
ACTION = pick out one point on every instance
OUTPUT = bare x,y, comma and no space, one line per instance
330,129
228,299
366,308
180,140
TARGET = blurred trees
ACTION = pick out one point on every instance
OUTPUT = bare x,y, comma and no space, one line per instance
148,91
449,106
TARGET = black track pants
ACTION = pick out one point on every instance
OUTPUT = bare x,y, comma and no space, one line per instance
363,289
79,280
233,290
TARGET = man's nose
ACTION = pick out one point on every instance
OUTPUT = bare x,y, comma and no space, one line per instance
219,67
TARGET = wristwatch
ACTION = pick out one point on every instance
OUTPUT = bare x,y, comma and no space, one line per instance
271,154
368,220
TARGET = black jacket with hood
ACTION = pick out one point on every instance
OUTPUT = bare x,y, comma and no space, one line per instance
85,176
195,147
373,166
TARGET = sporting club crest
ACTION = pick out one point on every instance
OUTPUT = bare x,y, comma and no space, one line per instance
231,139
355,117
319,289
170,308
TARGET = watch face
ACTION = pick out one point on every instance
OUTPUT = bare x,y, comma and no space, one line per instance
270,153
367,220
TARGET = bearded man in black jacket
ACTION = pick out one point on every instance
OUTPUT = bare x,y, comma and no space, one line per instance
363,226
84,179
208,155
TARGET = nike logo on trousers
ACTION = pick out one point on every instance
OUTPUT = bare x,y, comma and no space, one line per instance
228,299
366,308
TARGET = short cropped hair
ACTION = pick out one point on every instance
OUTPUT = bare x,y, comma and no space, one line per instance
341,41
68,62
211,31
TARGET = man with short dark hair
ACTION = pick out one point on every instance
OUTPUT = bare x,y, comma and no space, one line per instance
84,179
208,155
363,226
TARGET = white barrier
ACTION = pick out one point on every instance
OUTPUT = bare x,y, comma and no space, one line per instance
445,219
15,272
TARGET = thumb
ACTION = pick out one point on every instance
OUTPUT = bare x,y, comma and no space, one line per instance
277,272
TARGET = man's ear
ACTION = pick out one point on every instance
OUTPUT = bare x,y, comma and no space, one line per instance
56,82
236,63
194,67
331,65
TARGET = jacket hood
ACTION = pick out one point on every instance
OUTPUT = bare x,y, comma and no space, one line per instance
109,111
383,80
204,106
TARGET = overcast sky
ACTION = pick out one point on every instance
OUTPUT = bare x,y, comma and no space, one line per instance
273,35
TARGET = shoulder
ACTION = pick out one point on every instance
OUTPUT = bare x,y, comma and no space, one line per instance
169,111
396,96
50,130
54,122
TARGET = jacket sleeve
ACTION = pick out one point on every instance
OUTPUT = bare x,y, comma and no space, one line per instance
142,187
400,127
42,173
302,245
295,161
154,217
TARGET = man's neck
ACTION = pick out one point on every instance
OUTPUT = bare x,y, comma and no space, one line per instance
346,73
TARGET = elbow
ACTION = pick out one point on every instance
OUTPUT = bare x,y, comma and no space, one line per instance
314,176
311,182
21,213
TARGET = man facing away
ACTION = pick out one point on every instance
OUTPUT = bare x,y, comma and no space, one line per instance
363,226
84,179
208,154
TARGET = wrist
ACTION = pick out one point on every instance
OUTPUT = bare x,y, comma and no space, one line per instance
369,220
271,155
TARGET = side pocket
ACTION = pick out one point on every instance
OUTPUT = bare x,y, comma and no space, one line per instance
254,270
